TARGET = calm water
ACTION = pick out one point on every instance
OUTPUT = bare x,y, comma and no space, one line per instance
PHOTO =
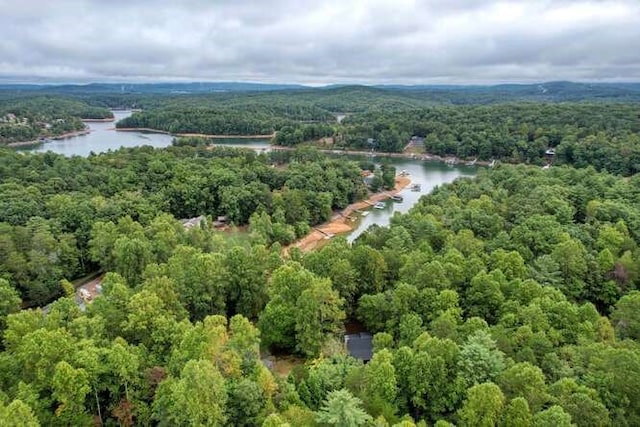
427,174
103,138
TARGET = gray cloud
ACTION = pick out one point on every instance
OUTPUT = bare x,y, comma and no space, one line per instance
324,41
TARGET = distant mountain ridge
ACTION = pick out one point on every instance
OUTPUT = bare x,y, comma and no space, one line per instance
554,91
192,87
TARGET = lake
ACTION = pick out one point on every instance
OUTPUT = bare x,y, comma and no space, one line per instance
104,137
428,174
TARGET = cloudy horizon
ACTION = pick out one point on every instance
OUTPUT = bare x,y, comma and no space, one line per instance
334,41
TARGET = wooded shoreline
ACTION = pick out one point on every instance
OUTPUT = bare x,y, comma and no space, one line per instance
56,137
193,135
105,120
339,222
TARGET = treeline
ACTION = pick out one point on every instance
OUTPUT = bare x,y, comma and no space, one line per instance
294,135
49,204
507,300
27,119
605,136
247,119
602,134
510,299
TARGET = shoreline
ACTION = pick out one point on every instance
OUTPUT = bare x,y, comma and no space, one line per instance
411,156
23,143
106,120
71,134
339,222
196,135
50,138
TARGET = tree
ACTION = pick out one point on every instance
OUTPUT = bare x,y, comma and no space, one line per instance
626,316
17,414
510,263
483,406
480,361
580,402
199,281
123,363
388,176
484,297
9,302
380,377
319,315
149,323
246,278
275,420
103,240
131,256
524,380
370,269
409,329
278,320
70,388
571,258
112,305
342,409
198,397
382,340
555,416
517,413
245,403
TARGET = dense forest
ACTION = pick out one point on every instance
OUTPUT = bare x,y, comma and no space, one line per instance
241,120
606,136
509,299
52,208
602,129
27,119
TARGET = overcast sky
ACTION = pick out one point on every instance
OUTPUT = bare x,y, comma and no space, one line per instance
320,41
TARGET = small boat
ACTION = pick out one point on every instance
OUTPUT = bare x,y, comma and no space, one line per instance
415,187
404,173
379,205
397,198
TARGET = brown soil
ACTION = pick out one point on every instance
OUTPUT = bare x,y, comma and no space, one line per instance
340,223
284,364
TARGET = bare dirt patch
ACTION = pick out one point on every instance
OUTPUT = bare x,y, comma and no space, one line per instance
341,222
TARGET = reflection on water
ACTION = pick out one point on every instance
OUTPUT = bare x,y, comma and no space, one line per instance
427,174
103,138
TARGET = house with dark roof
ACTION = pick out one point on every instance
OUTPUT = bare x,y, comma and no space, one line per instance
360,345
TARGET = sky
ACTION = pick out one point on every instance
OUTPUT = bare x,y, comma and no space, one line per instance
320,41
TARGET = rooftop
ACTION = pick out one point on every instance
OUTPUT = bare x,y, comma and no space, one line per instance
360,345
